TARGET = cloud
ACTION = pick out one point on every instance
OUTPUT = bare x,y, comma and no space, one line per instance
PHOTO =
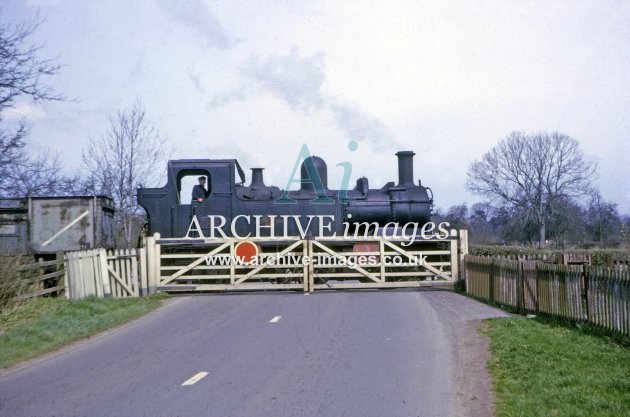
196,16
237,94
297,81
194,77
23,111
361,126
294,79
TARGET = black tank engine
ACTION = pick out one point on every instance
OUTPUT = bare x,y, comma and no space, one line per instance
234,209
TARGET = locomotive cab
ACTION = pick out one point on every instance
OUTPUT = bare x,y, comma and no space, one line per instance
170,208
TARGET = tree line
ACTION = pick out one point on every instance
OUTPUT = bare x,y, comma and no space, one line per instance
569,224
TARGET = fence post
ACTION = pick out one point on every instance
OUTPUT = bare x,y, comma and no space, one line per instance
158,261
311,268
491,280
153,262
521,286
150,265
585,290
305,268
59,267
104,277
454,260
464,271
133,272
66,280
463,251
40,272
537,295
142,269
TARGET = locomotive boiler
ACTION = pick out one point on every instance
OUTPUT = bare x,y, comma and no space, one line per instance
232,208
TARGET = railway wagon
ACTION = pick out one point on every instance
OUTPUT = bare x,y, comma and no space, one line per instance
43,226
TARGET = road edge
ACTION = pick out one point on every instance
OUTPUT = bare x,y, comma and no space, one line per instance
86,341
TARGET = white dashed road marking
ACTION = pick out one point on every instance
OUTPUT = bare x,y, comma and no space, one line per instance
275,319
196,378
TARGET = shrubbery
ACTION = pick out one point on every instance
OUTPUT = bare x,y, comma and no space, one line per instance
598,256
13,280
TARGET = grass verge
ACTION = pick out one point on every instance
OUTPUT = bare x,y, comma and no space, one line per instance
542,368
46,324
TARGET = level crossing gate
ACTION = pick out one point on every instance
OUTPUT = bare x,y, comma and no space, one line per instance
302,264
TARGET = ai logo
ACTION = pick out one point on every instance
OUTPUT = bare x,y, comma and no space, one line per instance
304,156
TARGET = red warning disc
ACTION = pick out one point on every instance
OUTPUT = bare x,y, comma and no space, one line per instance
246,250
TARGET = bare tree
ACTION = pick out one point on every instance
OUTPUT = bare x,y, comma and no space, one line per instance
515,225
565,223
624,231
482,224
531,172
11,154
457,216
602,220
124,158
20,68
39,176
21,73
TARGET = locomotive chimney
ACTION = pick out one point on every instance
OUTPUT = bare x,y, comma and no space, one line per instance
257,178
405,168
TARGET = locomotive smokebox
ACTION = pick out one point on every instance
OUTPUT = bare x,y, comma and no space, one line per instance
312,167
405,168
257,178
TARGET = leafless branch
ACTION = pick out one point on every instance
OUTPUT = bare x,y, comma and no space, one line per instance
122,159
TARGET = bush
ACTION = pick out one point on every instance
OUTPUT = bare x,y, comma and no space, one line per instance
598,256
13,280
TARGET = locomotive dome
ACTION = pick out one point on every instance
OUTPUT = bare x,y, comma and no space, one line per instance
313,164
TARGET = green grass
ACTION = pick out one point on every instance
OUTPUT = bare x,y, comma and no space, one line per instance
542,368
46,324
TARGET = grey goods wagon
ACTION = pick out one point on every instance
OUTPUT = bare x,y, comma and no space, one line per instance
47,225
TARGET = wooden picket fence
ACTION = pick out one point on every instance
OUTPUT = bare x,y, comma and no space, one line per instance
120,273
594,294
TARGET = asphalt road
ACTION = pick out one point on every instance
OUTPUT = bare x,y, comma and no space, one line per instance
364,353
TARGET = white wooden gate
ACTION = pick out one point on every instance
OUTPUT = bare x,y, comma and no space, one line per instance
383,263
281,264
120,273
299,264
182,265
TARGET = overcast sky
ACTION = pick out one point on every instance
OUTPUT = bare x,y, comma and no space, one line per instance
256,80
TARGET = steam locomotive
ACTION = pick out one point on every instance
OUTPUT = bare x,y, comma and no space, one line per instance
232,208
